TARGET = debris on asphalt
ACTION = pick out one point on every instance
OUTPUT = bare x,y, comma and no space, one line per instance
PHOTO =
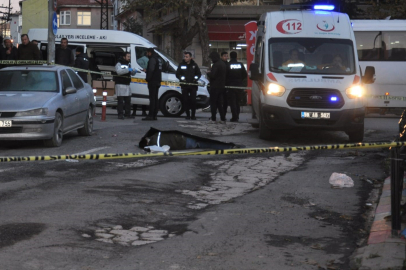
72,160
340,180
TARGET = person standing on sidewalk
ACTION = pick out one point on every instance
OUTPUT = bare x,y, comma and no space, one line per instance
217,77
236,74
10,52
154,79
27,50
188,72
64,55
123,80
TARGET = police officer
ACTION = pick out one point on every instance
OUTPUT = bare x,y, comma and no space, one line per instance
82,62
154,79
236,74
188,72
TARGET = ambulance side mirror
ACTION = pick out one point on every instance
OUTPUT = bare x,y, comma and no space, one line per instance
369,75
254,72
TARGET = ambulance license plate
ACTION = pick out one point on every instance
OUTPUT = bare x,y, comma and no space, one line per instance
5,123
315,115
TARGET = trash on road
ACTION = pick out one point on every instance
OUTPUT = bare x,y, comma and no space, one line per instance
156,148
178,140
72,160
340,180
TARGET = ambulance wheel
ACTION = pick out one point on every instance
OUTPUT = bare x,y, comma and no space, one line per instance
356,136
264,132
171,104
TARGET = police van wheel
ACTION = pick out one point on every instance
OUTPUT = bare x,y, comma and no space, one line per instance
356,136
171,104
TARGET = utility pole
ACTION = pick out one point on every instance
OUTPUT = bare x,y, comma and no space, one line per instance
51,36
104,13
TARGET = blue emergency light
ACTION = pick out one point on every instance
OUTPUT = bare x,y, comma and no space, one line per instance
323,7
333,99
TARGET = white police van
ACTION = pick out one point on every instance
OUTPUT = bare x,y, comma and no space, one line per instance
306,72
104,47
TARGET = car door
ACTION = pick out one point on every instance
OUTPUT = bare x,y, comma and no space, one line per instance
82,95
70,105
139,87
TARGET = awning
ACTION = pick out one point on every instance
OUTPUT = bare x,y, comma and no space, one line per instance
226,30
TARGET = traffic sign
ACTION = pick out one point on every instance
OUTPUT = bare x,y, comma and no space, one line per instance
55,4
54,23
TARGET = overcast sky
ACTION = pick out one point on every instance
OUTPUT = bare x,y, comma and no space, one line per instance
14,4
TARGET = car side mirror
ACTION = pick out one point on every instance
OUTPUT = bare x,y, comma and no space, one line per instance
70,90
369,75
254,72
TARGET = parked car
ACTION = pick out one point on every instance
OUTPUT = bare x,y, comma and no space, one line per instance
44,103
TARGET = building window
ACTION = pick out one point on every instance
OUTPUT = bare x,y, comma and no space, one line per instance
84,18
64,17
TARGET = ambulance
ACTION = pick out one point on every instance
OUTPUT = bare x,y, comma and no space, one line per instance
105,47
306,73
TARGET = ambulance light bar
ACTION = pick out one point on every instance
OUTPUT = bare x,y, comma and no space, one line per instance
323,7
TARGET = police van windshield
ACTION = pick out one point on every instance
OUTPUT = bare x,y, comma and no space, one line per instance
311,56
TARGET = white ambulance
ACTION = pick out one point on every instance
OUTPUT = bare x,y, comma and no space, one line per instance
306,72
105,47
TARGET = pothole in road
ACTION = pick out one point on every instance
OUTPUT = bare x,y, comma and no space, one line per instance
15,232
216,129
136,236
234,178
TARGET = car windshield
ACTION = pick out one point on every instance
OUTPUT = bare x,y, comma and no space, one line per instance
28,80
311,56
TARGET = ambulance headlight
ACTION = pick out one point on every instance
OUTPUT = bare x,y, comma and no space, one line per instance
275,90
201,83
355,91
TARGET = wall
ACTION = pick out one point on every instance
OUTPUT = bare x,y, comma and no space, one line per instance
34,14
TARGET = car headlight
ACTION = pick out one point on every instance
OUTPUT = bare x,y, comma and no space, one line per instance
355,91
275,90
201,83
42,111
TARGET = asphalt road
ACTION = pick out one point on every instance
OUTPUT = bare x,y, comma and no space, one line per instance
269,211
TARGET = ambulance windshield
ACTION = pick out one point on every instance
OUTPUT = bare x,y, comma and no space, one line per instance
311,56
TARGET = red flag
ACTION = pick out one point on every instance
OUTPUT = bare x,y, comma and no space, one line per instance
250,37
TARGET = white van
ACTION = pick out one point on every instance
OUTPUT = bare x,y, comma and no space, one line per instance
382,44
104,47
299,81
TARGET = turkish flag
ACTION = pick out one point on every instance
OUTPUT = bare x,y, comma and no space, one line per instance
250,37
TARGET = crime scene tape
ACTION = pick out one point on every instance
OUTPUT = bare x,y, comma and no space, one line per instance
206,153
23,62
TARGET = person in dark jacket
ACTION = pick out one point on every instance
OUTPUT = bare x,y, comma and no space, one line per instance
236,74
217,77
154,79
188,72
82,62
64,55
123,80
10,52
27,50
224,57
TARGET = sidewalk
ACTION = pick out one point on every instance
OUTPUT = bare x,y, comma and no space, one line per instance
383,251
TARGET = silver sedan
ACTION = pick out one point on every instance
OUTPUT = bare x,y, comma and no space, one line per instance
44,103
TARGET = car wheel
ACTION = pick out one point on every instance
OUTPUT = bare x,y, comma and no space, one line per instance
171,104
87,129
57,135
356,136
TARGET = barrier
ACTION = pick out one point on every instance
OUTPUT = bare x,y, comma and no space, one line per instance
247,151
104,104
